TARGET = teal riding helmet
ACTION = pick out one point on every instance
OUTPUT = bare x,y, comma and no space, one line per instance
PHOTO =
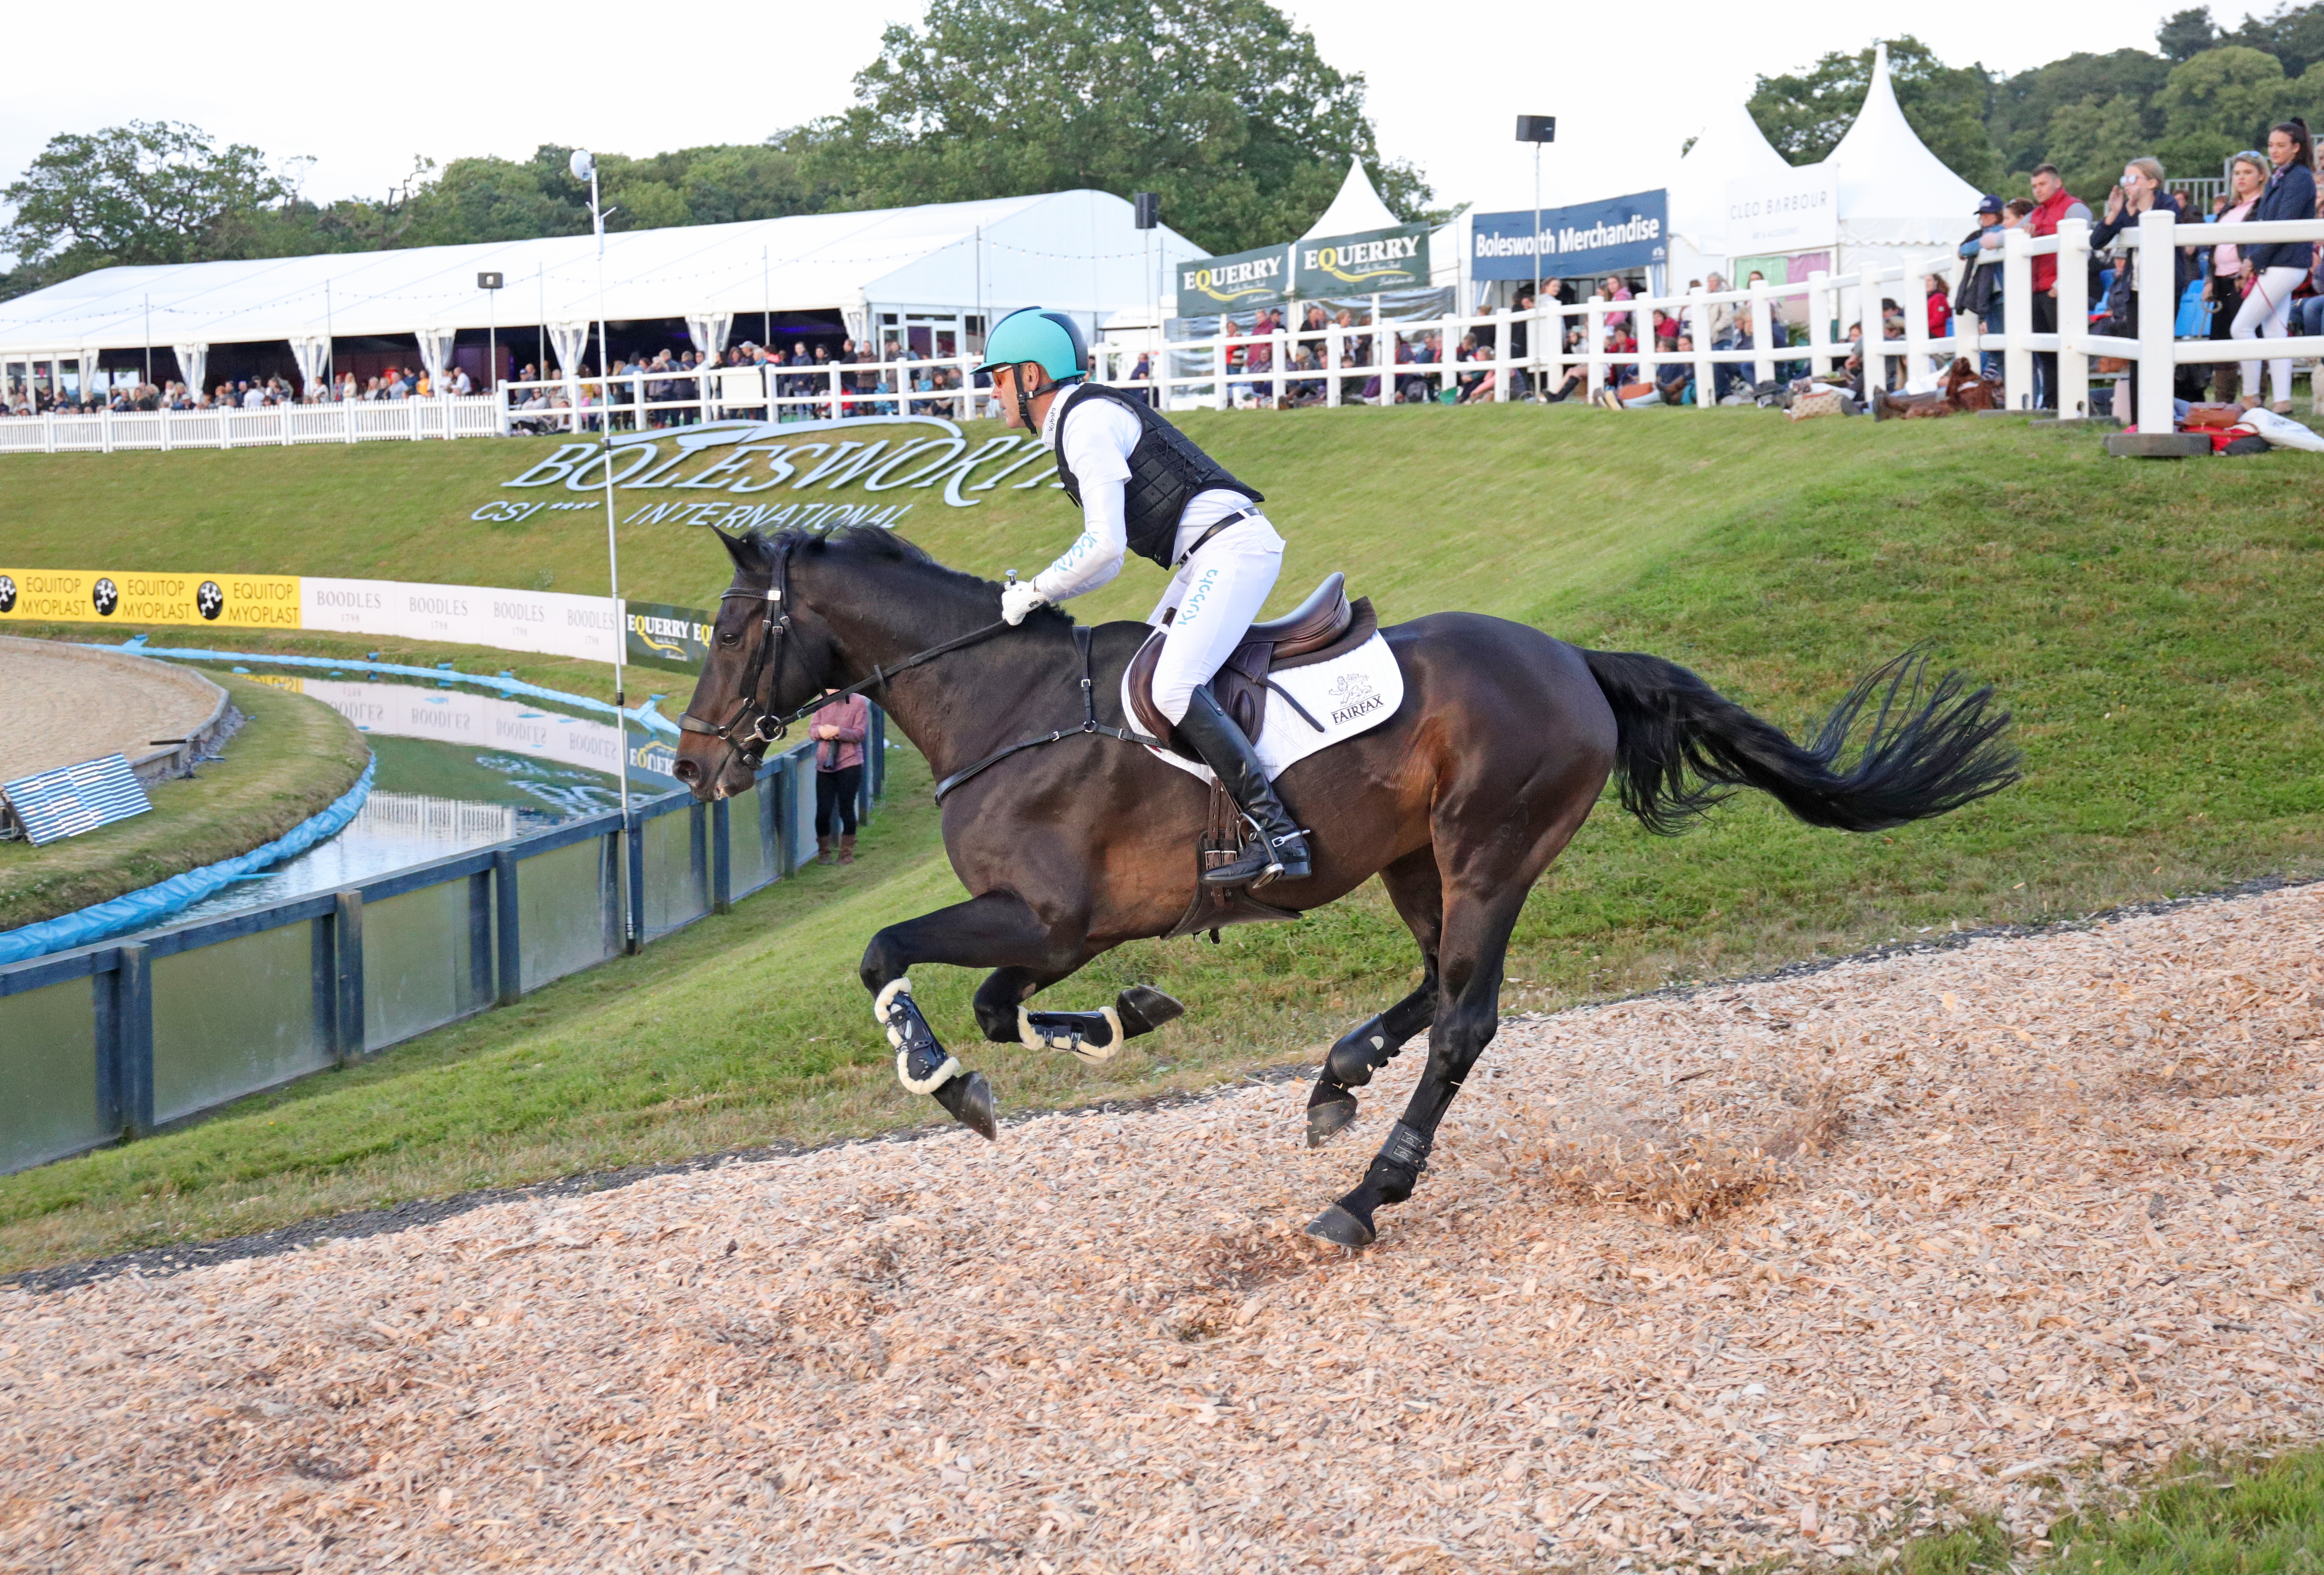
1051,339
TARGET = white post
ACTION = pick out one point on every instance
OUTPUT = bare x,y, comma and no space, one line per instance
1642,330
283,411
1706,380
1219,399
1819,314
166,413
1280,348
1379,344
1871,336
2074,319
1504,366
2016,319
347,418
1916,321
1595,349
1763,334
2158,314
1335,353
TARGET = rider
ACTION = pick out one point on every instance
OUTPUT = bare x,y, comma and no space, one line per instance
1144,487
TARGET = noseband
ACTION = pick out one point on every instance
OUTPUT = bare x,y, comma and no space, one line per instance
754,725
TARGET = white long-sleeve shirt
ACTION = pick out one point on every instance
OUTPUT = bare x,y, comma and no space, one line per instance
1098,447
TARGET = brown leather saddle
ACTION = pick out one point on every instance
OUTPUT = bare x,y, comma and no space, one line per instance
1324,626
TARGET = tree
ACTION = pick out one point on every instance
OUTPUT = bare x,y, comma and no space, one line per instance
2185,35
2025,105
2092,142
2294,34
1806,115
2219,102
1224,108
148,192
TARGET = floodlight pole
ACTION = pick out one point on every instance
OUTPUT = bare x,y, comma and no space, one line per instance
612,545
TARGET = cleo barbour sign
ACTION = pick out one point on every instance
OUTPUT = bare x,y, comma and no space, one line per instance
1359,265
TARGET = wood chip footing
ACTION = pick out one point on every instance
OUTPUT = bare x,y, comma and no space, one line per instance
1978,1229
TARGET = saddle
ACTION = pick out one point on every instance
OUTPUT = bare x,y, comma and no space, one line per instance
1324,626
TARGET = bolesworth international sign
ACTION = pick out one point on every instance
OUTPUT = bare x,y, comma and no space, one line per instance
737,476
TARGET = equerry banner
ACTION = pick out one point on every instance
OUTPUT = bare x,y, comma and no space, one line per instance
1247,279
1571,242
1359,265
546,621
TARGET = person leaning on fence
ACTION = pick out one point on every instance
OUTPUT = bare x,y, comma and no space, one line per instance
2052,205
1978,297
2271,271
2308,312
2224,288
2139,191
839,731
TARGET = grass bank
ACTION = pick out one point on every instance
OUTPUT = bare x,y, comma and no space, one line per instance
2151,627
291,757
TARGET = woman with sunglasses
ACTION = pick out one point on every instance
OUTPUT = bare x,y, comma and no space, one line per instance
2272,271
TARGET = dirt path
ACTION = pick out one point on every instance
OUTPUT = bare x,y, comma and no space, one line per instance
68,704
2058,1221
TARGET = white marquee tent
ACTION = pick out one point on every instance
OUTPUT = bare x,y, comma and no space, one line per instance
1357,209
1077,251
1894,193
1731,147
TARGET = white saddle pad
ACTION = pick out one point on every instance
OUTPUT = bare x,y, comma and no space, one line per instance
1349,694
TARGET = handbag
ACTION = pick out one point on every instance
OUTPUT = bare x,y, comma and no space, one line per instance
1822,402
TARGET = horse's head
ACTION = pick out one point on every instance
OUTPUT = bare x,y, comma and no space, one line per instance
770,654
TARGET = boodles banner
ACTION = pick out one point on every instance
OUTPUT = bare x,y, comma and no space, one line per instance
1583,238
1359,265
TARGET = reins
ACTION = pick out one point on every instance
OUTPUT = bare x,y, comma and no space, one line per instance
766,666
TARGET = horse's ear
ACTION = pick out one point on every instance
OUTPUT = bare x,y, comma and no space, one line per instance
737,548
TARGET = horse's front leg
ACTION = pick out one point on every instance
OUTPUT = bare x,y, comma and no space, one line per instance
1090,1037
996,930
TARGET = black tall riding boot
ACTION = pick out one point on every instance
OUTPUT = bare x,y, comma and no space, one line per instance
1280,851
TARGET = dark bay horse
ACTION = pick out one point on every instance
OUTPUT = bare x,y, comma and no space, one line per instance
1459,802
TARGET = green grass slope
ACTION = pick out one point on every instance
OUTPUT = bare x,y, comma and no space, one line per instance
2151,625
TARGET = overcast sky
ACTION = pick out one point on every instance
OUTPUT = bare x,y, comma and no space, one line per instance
362,89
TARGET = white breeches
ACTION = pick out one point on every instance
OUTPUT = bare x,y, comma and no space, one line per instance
1217,594
2266,311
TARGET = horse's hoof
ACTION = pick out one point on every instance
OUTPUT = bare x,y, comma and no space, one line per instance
1341,1229
1329,1119
1144,1009
970,1100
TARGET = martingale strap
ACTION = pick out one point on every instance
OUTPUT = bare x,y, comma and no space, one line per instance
1090,725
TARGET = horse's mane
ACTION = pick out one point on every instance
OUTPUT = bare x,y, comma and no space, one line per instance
866,544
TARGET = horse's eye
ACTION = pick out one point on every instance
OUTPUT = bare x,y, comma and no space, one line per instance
730,639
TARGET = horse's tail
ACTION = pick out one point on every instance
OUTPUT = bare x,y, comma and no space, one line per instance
1683,747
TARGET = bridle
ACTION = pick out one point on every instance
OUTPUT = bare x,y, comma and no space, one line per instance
754,725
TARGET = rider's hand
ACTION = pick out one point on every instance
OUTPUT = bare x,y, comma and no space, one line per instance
1018,598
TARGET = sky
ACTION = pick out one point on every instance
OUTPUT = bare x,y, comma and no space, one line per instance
363,91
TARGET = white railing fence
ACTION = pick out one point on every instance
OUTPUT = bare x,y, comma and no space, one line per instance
1353,363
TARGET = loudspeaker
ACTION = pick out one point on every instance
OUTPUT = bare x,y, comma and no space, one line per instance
488,282
1536,128
1148,207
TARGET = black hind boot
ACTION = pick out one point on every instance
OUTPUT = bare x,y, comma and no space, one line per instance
1280,850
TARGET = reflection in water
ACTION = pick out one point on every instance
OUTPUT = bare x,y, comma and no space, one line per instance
435,793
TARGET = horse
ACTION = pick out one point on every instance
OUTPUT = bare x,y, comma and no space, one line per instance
1073,838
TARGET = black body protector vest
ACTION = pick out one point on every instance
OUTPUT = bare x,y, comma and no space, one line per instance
1166,471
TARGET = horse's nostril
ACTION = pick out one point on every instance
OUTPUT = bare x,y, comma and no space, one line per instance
687,772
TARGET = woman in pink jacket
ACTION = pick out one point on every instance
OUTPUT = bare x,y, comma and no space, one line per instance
839,732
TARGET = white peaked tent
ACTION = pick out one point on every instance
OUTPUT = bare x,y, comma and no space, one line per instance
1732,147
1077,251
1894,193
1357,209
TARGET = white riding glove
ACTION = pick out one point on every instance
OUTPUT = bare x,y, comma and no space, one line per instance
1018,598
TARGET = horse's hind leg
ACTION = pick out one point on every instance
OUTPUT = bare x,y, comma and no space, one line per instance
1093,1036
1417,889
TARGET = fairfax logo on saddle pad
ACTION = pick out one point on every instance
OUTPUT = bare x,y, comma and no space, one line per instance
1353,696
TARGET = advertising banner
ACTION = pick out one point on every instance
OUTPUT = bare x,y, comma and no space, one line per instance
140,596
1575,241
667,636
1796,211
1247,279
1357,265
547,621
